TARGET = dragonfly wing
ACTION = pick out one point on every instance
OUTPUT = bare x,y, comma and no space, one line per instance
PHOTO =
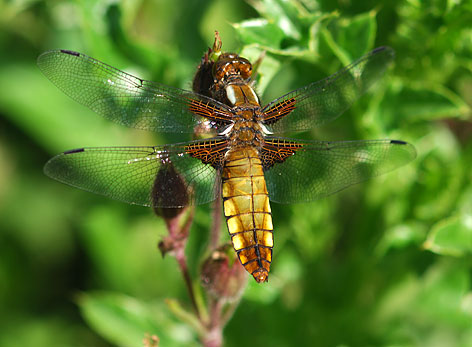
129,100
303,171
166,176
325,100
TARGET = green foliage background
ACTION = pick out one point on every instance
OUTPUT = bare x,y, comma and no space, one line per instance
383,263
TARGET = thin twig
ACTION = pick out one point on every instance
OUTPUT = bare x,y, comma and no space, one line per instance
182,261
179,236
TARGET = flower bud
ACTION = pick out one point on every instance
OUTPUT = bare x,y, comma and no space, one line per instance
169,189
223,275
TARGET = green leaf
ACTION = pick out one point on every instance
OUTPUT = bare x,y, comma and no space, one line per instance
125,321
413,102
401,236
440,175
351,38
267,69
465,200
445,287
316,29
451,236
261,32
268,40
284,14
439,299
287,28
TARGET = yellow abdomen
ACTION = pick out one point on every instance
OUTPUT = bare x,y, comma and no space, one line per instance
247,210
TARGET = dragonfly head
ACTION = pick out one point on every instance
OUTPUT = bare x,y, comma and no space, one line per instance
230,65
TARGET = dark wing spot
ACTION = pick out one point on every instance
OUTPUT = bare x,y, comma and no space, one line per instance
78,150
66,51
398,142
378,49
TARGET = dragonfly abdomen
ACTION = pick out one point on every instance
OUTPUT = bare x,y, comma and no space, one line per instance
247,210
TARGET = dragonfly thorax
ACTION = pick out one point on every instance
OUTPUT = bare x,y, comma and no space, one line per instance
247,115
246,129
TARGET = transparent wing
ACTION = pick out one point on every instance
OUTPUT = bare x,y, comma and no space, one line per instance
151,176
325,100
123,98
314,169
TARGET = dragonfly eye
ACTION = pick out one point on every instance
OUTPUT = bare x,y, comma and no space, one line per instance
244,67
230,65
218,72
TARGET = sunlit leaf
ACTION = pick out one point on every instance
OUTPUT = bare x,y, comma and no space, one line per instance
260,31
350,38
451,236
401,236
267,70
284,14
125,321
415,102
444,288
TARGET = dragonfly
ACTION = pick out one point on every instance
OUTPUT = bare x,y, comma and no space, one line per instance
243,157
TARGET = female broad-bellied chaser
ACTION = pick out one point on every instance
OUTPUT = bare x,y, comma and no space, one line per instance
242,160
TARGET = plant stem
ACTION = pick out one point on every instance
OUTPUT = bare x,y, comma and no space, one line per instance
214,337
179,235
182,261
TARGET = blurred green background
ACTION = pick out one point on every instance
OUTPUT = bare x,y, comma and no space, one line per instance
384,263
